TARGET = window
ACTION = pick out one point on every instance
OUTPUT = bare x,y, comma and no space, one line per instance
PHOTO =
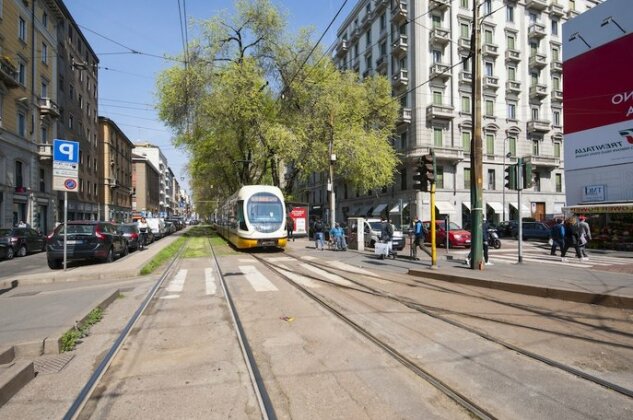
512,145
70,122
465,4
44,90
438,137
559,182
465,63
403,179
535,113
437,97
555,54
19,179
22,74
467,178
44,135
509,13
490,108
492,185
466,104
554,27
488,38
21,124
45,19
437,56
44,53
466,141
487,9
572,4
439,177
490,143
556,115
71,92
535,147
437,21
511,41
533,49
557,149
512,110
489,69
403,140
512,74
368,38
537,181
22,29
42,180
556,83
534,76
464,30
383,22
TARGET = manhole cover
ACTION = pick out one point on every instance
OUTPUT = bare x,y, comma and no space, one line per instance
46,365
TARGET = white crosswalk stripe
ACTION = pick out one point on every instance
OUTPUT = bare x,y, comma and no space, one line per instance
176,285
209,281
257,280
543,256
302,280
331,277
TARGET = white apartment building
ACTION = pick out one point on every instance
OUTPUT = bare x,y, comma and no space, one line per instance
423,46
156,157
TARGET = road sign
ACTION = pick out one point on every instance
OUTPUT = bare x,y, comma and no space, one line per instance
65,165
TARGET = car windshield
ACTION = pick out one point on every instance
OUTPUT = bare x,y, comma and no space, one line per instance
375,225
451,225
77,229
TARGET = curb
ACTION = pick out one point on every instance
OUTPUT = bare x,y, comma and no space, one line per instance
14,379
614,301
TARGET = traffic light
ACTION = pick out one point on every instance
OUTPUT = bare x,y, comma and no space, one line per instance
428,167
528,174
511,177
419,180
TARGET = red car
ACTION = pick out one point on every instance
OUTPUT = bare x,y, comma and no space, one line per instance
456,235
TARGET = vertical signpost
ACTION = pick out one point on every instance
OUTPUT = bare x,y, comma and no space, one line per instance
65,174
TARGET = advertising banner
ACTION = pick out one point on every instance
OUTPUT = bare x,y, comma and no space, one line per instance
300,217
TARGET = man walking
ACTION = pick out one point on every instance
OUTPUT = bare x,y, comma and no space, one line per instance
420,235
584,236
558,236
319,235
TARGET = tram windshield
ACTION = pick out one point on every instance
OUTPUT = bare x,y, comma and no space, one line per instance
265,212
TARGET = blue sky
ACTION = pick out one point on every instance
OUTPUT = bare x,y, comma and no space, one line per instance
151,27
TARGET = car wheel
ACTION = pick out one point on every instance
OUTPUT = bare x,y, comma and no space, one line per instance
372,244
54,264
10,253
22,251
110,257
125,250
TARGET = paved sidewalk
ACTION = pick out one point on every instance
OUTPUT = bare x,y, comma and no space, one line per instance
560,281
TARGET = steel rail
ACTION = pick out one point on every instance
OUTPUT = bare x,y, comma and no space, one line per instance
87,390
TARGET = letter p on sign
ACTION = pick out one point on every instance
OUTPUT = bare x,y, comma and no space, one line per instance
65,151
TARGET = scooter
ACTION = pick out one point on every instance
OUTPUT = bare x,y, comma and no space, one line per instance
493,238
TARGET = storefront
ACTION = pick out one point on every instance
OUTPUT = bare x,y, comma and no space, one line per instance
611,224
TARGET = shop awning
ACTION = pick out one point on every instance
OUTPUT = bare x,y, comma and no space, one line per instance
497,207
353,211
396,208
444,207
466,204
525,211
378,209
363,210
600,208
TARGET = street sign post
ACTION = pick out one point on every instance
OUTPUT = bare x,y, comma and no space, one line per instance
65,175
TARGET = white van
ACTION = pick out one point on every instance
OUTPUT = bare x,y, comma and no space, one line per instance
157,225
373,228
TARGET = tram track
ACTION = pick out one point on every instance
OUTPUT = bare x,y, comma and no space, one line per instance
286,273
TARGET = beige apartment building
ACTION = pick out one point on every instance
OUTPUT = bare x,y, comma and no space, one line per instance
115,171
145,186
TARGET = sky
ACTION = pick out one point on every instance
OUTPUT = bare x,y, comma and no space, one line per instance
127,80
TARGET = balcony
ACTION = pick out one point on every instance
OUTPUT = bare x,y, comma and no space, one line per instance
8,72
512,86
400,12
382,64
365,22
557,95
556,9
539,5
45,152
544,161
379,5
556,66
400,45
538,91
440,36
463,44
355,33
491,82
404,117
48,107
538,126
536,30
450,154
513,55
342,47
439,71
490,50
400,78
440,112
465,76
572,13
538,61
439,5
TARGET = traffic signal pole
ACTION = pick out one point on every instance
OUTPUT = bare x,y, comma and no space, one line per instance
433,227
476,155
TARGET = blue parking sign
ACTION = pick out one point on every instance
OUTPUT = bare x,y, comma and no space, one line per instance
65,151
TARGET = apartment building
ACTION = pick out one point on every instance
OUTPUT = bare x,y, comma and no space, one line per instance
146,186
159,161
115,171
423,47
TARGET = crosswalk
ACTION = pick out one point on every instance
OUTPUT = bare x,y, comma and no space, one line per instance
540,255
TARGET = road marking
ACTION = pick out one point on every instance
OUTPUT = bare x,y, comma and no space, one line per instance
257,280
302,280
308,258
348,267
178,283
209,281
280,259
245,260
170,297
332,277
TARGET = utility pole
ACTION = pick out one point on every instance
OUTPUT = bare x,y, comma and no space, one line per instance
476,158
332,160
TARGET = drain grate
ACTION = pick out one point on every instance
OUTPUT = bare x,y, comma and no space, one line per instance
54,364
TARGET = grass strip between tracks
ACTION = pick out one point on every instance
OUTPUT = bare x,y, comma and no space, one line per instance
163,256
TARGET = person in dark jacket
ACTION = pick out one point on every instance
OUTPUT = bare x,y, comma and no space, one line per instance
420,235
571,238
558,237
290,227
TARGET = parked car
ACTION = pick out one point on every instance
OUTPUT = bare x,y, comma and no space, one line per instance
157,225
86,240
373,227
20,241
169,228
131,233
456,235
532,230
505,228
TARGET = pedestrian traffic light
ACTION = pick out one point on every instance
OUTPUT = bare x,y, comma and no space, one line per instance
511,177
528,174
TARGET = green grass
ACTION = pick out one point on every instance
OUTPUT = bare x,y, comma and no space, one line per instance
197,247
163,256
70,338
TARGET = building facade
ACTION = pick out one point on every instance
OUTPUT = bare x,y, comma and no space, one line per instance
158,159
145,186
423,47
115,171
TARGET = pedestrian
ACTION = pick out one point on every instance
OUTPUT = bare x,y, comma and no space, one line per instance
290,227
557,233
21,224
337,234
584,236
571,238
319,235
420,236
386,234
143,229
485,235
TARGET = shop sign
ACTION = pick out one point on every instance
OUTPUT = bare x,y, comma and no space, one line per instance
593,193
